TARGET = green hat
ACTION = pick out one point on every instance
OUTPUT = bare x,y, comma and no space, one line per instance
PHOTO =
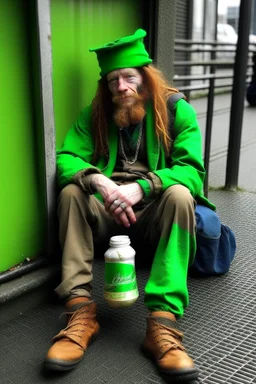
127,52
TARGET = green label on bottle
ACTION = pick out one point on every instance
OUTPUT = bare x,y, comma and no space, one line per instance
120,277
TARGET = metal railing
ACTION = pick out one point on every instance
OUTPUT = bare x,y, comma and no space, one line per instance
208,81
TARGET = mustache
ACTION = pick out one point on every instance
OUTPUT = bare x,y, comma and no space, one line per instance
139,94
136,96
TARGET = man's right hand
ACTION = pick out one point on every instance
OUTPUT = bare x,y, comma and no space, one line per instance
106,188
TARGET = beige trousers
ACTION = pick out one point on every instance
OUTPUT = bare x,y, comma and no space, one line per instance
83,222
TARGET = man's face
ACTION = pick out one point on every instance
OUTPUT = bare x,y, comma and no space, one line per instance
123,85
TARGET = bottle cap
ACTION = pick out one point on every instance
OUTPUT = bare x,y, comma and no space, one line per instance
119,240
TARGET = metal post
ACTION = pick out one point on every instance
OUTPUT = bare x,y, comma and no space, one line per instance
208,134
237,105
45,54
213,53
149,20
205,54
165,36
189,37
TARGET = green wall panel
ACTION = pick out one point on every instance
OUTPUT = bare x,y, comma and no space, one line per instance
21,202
77,26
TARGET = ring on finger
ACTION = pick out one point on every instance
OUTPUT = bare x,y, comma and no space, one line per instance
116,203
123,205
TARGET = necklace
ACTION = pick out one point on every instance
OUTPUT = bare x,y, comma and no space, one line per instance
132,161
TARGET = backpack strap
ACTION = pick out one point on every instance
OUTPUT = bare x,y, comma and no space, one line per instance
171,101
174,98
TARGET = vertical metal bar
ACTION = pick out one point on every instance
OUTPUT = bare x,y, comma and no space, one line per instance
204,54
216,20
45,55
253,19
204,18
213,53
190,6
208,134
237,104
165,36
149,18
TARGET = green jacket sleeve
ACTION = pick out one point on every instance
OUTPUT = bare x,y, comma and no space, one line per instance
186,163
77,150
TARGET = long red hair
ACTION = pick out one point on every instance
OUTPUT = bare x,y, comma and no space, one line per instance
157,89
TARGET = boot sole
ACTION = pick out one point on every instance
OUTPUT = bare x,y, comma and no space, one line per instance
63,365
173,375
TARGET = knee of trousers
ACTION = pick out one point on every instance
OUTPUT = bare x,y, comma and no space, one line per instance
180,205
71,191
180,196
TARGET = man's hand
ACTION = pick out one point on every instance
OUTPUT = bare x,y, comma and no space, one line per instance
126,195
114,195
103,185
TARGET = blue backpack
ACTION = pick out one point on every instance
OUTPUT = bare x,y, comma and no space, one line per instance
216,242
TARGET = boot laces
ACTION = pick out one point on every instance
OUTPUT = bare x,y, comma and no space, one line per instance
166,338
78,322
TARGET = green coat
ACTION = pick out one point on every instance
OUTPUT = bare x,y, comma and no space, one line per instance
166,288
185,165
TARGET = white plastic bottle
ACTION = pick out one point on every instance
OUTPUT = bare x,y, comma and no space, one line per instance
121,289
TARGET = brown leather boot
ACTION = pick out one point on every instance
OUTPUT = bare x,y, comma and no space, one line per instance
71,342
164,344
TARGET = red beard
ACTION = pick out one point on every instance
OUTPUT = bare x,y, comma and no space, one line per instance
124,116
